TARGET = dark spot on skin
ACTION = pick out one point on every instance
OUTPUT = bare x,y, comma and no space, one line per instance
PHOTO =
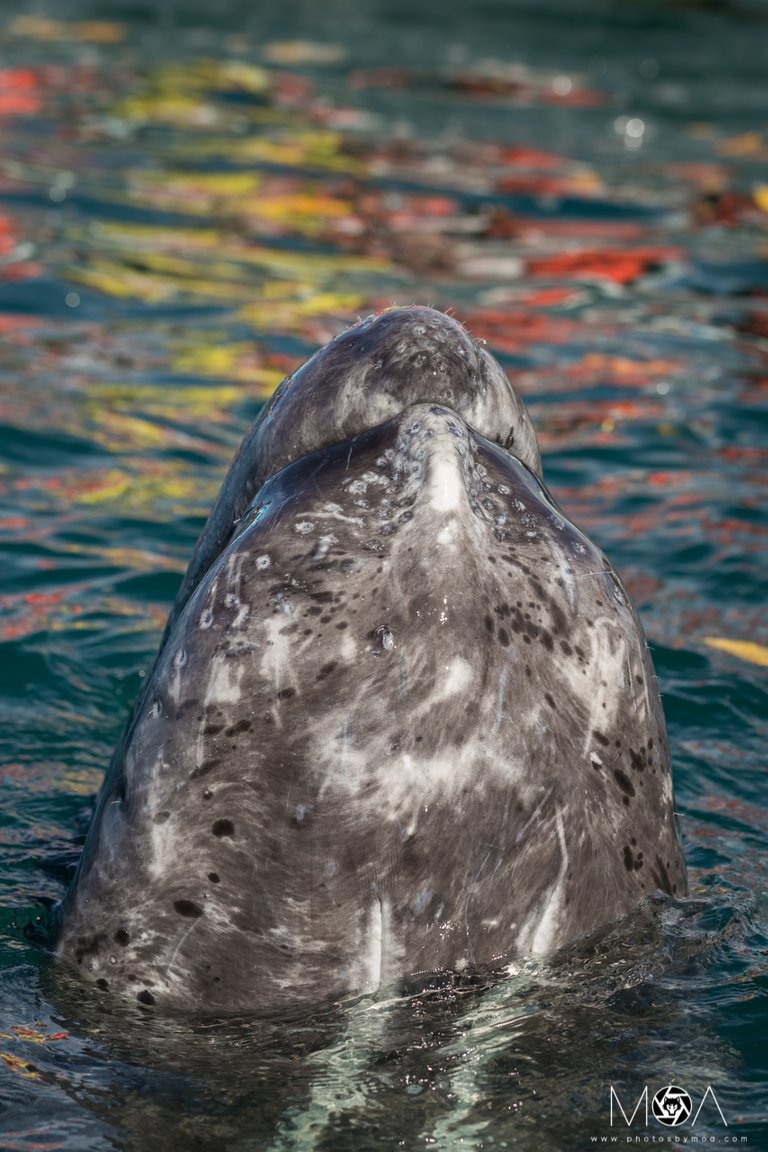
595,765
650,742
326,669
314,611
624,782
122,937
566,648
241,726
489,626
342,625
549,699
213,729
205,767
102,983
326,619
214,877
419,739
601,739
661,877
187,908
559,619
628,860
145,997
161,817
528,671
321,597
286,693
223,828
637,760
207,794
503,638
547,641
88,947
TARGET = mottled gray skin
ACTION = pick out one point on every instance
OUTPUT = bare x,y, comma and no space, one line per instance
406,722
360,379
364,376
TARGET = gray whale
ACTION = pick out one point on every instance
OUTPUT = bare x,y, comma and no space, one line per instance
403,719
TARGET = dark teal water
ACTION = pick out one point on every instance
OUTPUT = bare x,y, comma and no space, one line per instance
192,198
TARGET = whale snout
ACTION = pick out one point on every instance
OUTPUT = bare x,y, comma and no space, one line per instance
384,365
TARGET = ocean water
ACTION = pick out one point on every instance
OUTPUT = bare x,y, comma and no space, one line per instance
195,196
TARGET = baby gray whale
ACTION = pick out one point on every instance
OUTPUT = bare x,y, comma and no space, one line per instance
403,719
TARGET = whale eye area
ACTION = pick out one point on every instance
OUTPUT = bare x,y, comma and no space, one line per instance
122,937
223,828
188,908
214,878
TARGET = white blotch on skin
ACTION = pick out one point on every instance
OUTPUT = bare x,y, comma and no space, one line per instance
242,616
447,535
333,511
174,686
277,651
545,934
458,677
348,648
223,682
234,571
500,697
421,900
446,484
323,547
375,945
